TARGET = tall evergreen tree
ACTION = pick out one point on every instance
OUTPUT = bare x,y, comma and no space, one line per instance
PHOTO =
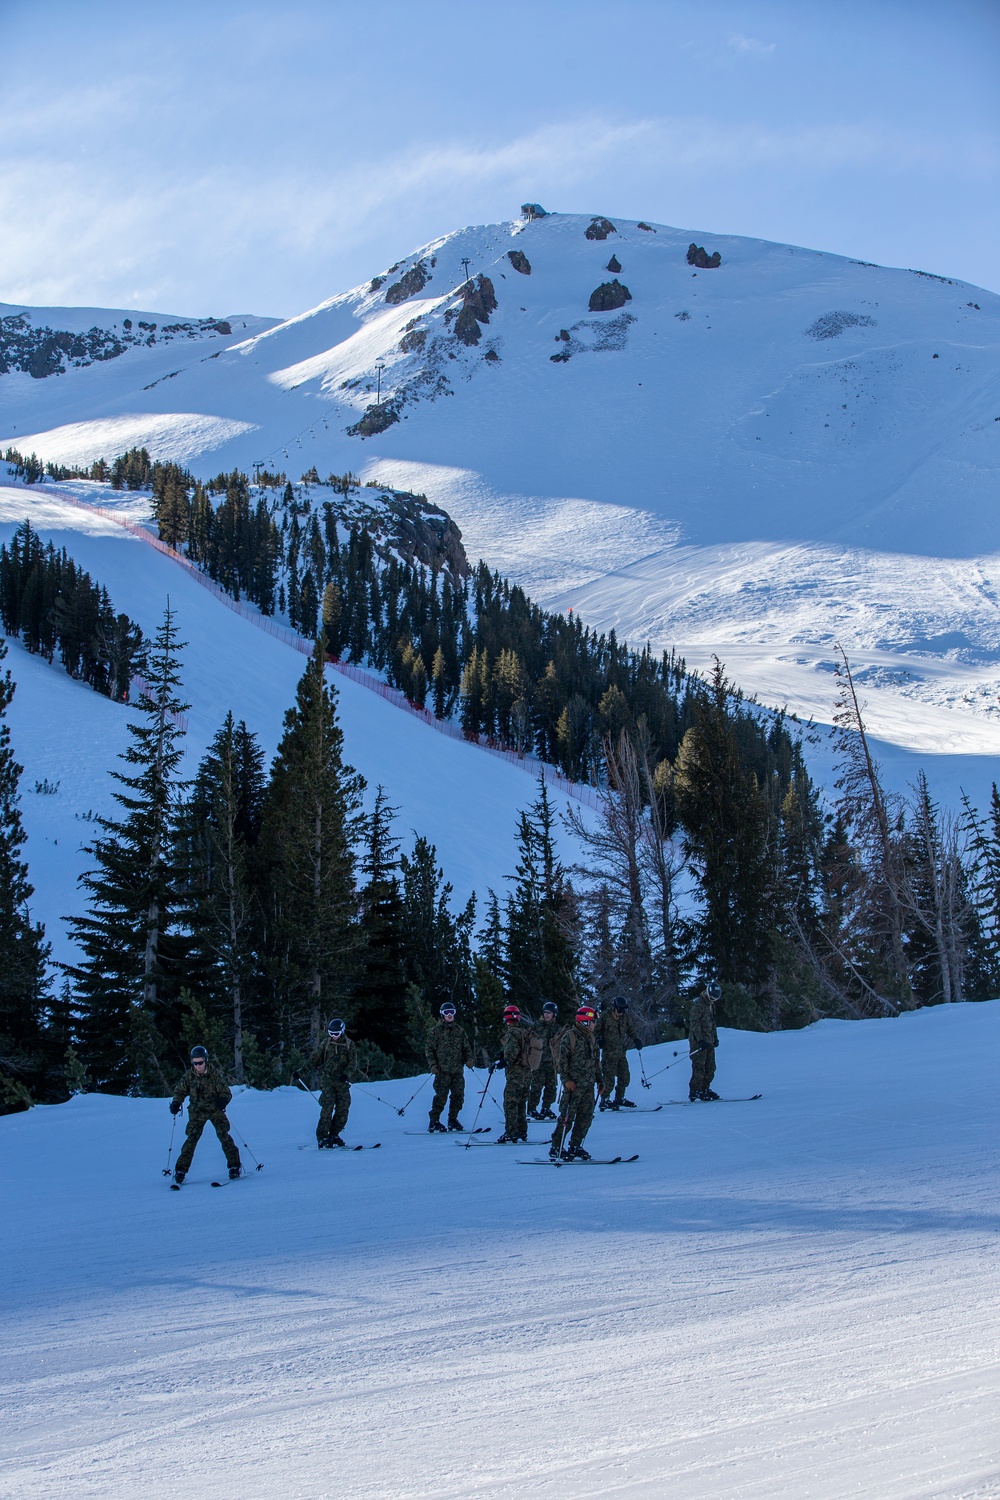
310,826
125,988
540,960
26,1037
218,835
380,997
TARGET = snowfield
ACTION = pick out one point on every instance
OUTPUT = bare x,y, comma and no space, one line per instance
756,461
792,1299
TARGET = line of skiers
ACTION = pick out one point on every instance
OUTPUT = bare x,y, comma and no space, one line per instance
588,1058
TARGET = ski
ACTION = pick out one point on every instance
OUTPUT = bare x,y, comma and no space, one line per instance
531,1141
374,1146
479,1130
746,1099
595,1161
634,1109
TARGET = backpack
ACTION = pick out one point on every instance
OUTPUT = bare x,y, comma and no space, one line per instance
531,1050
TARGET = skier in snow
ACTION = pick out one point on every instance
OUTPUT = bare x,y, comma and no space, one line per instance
208,1094
337,1062
449,1053
615,1034
580,1072
542,1092
703,1038
517,1039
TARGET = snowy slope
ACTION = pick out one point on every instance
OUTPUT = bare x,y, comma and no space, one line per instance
756,460
463,799
793,1299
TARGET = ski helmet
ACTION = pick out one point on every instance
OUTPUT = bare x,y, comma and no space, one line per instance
713,989
550,1008
619,1003
447,1009
336,1028
586,1015
511,1015
199,1054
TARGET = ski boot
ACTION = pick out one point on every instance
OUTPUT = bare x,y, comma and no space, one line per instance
436,1128
535,1114
709,1094
608,1104
506,1140
179,1177
693,1098
555,1154
625,1104
547,1114
455,1125
324,1144
578,1154
336,1140
235,1172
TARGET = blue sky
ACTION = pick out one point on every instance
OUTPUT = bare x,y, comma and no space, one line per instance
226,157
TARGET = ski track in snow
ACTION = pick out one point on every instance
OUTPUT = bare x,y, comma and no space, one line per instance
794,1301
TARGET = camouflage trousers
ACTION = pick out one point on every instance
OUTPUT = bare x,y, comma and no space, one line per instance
614,1066
195,1125
334,1107
515,1101
445,1084
702,1070
542,1093
576,1114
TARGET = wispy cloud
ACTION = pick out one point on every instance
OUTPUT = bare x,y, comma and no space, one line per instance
751,44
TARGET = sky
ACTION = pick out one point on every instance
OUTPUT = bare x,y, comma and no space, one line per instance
220,157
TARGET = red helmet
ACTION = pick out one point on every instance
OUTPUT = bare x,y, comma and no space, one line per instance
511,1013
586,1015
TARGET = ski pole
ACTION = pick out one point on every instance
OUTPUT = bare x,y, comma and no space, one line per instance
642,1069
482,1101
259,1164
393,1107
414,1095
680,1058
170,1148
307,1089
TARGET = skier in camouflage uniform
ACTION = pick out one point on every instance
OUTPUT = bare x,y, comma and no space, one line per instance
703,1038
542,1092
208,1094
337,1062
580,1072
615,1034
518,1078
449,1053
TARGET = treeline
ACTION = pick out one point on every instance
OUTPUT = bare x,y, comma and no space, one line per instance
54,605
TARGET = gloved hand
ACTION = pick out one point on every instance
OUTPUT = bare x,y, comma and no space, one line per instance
175,1108
498,1066
569,1084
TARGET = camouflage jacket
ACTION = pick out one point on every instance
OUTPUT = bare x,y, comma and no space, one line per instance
208,1092
513,1040
615,1033
579,1062
701,1028
448,1048
337,1062
549,1032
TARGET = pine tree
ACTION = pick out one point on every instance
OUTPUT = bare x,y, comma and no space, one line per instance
124,988
218,834
380,998
540,959
310,825
437,958
26,1039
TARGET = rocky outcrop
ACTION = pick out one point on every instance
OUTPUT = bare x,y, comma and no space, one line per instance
533,211
422,533
478,301
698,256
519,261
609,296
614,265
599,229
40,352
648,227
375,420
377,283
413,340
832,324
408,285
